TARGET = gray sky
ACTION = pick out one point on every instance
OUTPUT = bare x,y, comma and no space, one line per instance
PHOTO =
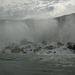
21,9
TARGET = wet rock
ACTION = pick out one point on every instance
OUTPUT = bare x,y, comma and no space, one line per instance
8,47
22,49
70,45
24,52
28,46
30,49
39,48
49,52
60,44
49,47
73,47
36,50
54,52
11,46
16,50
43,42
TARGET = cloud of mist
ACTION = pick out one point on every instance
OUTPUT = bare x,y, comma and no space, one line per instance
13,31
34,30
38,30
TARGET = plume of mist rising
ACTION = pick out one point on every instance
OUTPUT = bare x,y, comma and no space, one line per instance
13,31
34,30
38,30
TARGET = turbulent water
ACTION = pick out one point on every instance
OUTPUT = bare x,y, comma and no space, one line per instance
12,64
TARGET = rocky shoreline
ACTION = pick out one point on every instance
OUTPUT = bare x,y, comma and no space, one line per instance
25,47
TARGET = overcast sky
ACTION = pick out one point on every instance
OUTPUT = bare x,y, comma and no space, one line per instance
21,9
